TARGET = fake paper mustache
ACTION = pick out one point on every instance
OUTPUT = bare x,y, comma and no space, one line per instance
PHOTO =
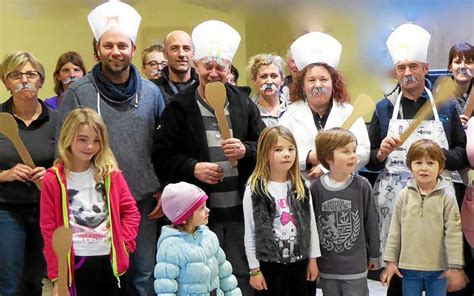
319,90
155,72
409,78
271,86
464,71
22,86
70,80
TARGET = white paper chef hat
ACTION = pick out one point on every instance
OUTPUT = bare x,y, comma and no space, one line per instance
316,47
215,39
408,42
114,15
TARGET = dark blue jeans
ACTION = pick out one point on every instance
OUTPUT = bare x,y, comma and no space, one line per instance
415,281
22,264
143,260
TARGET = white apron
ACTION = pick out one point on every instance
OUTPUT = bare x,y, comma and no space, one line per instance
394,176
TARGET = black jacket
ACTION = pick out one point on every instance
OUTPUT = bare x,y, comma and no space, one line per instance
168,88
180,140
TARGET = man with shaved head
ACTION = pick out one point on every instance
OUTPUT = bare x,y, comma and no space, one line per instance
178,74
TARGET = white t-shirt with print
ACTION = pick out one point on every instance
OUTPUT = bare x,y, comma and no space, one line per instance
88,215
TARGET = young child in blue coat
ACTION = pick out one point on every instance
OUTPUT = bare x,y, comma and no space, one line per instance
189,259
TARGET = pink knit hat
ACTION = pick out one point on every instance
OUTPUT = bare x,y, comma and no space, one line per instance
180,200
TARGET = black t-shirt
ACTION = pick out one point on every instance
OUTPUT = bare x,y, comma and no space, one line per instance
39,140
320,121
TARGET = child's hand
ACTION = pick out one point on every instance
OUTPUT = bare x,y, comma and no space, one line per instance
371,266
55,291
312,270
457,279
388,272
258,282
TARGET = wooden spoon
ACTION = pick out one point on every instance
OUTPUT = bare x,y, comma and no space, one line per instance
363,105
62,238
9,128
469,105
442,91
216,96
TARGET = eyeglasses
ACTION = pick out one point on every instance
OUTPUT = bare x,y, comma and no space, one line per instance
30,75
155,64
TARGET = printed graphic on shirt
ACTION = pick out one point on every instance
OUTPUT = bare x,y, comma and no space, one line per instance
338,225
284,228
89,210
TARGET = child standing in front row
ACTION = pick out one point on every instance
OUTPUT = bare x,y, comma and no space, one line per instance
281,240
189,258
85,191
346,217
425,239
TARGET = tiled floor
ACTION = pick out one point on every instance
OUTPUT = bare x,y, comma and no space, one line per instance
375,289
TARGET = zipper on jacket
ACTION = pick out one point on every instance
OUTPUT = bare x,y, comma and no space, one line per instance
113,251
65,212
422,203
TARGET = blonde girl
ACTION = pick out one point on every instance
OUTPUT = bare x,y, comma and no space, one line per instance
85,191
281,241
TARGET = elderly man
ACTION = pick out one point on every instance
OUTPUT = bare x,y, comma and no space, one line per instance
408,47
178,74
130,107
153,61
190,148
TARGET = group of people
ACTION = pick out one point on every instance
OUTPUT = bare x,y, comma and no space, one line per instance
159,202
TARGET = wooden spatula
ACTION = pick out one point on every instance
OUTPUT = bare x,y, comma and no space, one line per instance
363,105
469,105
442,91
9,128
216,97
62,238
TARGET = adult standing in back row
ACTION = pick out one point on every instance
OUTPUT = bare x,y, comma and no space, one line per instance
320,100
179,73
408,47
190,147
130,107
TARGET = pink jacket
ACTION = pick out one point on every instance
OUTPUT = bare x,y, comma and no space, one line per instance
54,212
467,208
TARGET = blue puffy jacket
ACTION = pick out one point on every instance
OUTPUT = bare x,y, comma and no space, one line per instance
192,264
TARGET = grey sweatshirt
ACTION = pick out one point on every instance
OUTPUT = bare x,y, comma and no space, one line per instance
130,125
347,222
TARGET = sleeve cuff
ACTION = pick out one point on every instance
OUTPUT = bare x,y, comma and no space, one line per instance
376,262
455,266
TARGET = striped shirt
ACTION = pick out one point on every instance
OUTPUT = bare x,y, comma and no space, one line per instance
224,194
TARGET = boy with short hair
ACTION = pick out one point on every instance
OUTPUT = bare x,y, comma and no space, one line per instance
425,238
346,217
